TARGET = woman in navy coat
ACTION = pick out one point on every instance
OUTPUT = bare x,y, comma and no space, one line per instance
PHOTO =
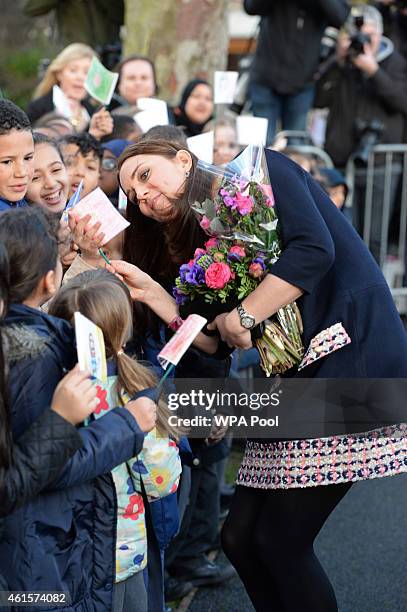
286,488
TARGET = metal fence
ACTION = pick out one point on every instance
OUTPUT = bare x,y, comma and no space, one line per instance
378,201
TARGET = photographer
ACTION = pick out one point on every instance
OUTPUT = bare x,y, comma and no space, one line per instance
365,89
288,51
394,13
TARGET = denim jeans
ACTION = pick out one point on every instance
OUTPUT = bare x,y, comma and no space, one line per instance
291,109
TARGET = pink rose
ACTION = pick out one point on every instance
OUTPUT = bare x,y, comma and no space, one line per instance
237,250
218,275
204,223
244,204
199,253
256,270
212,242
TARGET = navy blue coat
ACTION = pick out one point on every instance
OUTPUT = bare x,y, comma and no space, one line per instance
325,257
64,540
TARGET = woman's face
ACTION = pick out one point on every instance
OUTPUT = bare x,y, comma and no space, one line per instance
153,180
71,79
199,106
136,81
49,185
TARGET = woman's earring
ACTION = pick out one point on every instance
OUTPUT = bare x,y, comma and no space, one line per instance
187,173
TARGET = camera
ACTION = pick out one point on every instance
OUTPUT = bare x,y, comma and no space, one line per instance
368,134
358,40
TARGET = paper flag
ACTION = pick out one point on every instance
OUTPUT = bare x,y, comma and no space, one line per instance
90,346
251,130
225,87
181,341
73,200
155,106
98,205
202,146
122,204
100,82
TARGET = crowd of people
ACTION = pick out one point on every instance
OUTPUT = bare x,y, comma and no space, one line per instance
100,498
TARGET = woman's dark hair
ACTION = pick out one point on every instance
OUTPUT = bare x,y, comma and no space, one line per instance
159,248
138,58
44,139
29,236
5,430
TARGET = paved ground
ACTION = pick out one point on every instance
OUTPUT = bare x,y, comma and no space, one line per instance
363,547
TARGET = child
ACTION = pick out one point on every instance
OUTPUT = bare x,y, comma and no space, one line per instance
106,301
16,155
82,155
50,183
109,182
65,539
334,183
225,146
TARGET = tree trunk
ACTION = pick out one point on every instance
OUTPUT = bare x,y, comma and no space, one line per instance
185,39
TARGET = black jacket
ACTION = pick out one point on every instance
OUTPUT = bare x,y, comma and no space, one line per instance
64,539
288,46
41,106
38,457
350,95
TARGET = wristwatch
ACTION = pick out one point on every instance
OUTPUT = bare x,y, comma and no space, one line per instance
246,320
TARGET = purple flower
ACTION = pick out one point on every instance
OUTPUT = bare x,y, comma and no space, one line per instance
183,272
195,275
180,298
229,201
260,261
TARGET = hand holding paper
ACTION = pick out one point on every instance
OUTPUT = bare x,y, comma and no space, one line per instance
98,205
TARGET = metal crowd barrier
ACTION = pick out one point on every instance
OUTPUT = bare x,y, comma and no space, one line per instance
386,187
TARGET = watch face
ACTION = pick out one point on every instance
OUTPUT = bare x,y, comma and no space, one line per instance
247,322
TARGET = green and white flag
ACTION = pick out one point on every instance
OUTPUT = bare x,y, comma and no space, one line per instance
100,82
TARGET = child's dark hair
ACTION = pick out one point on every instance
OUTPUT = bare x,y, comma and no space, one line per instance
123,127
12,118
104,299
170,133
85,142
43,139
29,236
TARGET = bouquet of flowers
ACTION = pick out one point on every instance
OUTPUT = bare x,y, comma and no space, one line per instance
235,206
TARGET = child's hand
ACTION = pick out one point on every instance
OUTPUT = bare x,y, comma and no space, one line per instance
75,396
144,411
69,257
101,124
86,237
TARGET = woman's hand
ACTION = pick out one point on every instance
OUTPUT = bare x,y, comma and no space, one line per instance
231,331
87,237
139,283
101,124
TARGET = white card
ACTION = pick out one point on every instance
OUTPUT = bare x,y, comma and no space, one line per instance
154,112
202,146
98,205
181,340
90,346
225,86
251,130
60,102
